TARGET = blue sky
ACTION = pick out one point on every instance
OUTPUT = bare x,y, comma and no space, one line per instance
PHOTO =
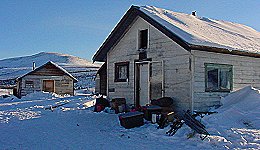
79,27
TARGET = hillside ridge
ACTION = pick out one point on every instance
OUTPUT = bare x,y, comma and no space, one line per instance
43,57
11,68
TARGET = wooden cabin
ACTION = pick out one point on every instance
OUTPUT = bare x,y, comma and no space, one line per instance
48,78
153,53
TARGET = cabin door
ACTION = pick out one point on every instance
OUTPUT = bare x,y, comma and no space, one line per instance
149,82
48,85
156,80
142,82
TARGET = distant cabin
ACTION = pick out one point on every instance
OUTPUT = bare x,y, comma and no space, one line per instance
48,78
153,53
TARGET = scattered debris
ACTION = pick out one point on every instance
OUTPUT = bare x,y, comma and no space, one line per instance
174,127
119,105
165,120
131,119
52,107
203,113
101,104
5,96
163,102
195,124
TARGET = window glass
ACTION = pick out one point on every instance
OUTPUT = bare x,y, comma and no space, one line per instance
143,39
121,71
225,78
218,77
212,79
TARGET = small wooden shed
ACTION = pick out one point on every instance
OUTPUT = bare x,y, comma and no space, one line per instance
49,78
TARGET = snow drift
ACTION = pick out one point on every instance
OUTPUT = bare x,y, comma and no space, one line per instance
237,123
240,108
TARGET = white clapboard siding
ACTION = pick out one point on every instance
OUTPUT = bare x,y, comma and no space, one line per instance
246,72
161,48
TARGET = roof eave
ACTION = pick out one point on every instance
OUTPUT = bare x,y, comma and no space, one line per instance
224,51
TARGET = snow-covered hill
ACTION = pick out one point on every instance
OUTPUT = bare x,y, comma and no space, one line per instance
42,57
14,67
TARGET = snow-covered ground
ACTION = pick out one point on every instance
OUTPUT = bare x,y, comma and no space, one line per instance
30,123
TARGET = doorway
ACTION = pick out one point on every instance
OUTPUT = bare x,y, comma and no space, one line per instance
142,83
148,82
48,85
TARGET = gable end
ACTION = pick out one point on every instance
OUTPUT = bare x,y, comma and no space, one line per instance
124,25
49,69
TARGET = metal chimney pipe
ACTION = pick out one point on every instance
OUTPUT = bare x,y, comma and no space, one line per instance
34,65
193,13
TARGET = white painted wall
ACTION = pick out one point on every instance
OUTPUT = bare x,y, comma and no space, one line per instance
176,63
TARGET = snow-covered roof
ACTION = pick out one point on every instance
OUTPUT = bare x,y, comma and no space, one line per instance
189,31
62,69
205,31
52,63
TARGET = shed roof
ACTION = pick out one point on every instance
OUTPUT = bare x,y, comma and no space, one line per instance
191,32
53,64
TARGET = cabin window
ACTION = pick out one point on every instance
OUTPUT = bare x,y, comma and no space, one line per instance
143,39
219,77
29,84
65,82
121,72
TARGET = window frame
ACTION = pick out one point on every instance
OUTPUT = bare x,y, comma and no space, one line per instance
121,64
29,84
139,43
219,67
